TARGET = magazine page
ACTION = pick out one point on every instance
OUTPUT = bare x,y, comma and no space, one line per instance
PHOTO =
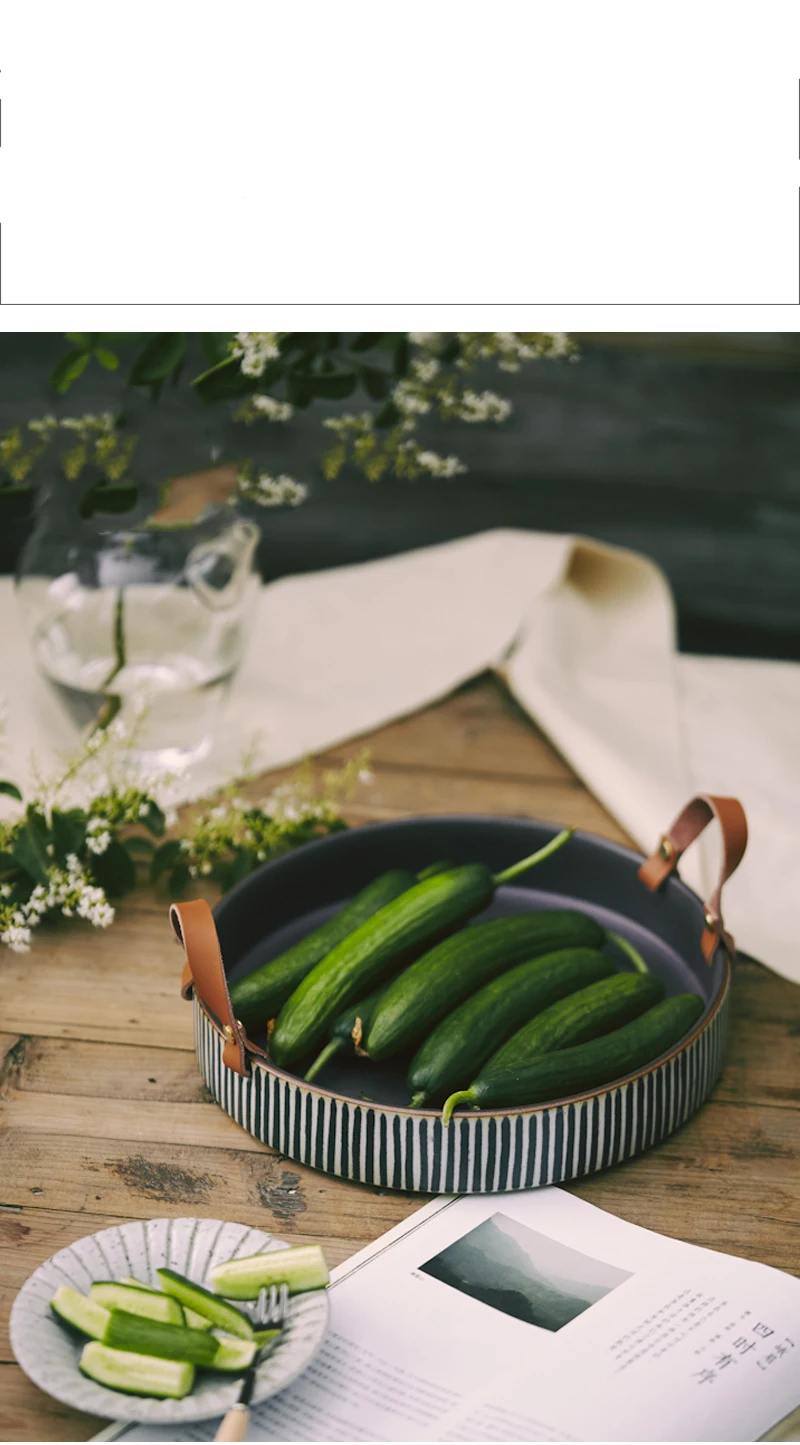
535,1316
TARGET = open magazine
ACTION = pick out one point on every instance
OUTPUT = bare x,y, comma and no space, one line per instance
535,1316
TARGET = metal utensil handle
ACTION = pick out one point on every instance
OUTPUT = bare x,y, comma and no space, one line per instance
688,825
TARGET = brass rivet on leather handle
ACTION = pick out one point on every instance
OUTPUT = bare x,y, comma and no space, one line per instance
228,1032
667,849
709,919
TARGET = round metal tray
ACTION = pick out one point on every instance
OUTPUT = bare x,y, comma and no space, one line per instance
358,1124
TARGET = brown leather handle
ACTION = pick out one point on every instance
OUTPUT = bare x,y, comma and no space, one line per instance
204,972
688,825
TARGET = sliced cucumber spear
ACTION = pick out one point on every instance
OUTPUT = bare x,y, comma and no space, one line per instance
301,1268
81,1314
189,1317
136,1299
225,1316
235,1355
151,1337
136,1374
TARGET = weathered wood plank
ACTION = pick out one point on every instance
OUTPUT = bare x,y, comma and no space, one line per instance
480,729
114,1118
400,792
27,1413
140,1178
111,1071
30,1236
79,985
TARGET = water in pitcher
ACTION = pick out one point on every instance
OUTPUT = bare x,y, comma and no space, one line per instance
158,651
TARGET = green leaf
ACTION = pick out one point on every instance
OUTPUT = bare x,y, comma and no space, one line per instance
67,370
366,340
81,339
386,415
108,497
226,381
108,359
450,350
376,383
331,384
7,862
296,394
11,790
115,870
162,354
30,844
69,833
179,880
154,819
402,356
243,864
165,857
215,345
137,844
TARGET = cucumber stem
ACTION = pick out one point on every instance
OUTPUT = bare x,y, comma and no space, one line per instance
454,1099
418,1099
628,949
322,1058
551,847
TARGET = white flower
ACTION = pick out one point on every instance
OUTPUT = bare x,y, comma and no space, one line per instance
439,466
205,868
255,348
269,491
365,776
170,817
272,409
482,406
425,369
98,842
5,890
408,400
17,938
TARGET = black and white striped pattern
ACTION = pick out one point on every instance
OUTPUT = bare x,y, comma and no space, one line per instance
480,1152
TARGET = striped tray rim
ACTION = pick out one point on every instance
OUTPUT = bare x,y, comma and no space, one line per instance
479,1153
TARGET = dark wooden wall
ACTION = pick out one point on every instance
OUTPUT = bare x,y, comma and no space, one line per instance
684,447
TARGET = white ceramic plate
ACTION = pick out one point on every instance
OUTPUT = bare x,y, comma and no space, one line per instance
49,1353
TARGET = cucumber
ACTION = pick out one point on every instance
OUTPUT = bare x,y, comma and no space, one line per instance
455,968
301,1268
136,1374
81,1314
362,960
257,998
136,1300
347,1029
235,1355
226,1317
151,1337
263,1337
592,1011
463,1041
188,1317
568,1071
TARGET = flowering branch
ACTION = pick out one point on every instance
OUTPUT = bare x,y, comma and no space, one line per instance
271,375
63,858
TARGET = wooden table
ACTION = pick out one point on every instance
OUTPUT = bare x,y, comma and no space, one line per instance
105,1118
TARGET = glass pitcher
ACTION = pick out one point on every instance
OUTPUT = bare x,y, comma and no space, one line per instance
144,621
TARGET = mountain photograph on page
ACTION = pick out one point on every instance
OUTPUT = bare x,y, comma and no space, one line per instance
525,1274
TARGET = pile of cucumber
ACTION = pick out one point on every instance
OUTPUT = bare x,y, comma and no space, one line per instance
146,1341
516,1011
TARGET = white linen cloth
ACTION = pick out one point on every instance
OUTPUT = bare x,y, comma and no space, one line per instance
586,638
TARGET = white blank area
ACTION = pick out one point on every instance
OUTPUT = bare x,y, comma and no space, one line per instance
446,152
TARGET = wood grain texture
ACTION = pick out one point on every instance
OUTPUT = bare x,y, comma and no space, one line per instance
104,1117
